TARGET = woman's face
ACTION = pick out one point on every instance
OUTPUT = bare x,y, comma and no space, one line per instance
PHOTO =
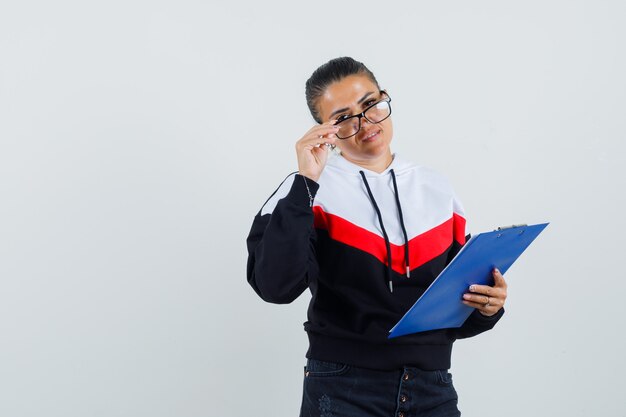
351,96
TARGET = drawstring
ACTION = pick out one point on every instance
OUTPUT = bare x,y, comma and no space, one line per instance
382,226
406,239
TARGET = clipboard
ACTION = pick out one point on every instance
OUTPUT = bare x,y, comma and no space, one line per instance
440,307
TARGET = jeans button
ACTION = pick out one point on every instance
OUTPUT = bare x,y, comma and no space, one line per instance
403,398
406,376
400,414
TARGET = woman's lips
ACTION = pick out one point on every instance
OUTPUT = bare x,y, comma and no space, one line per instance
370,136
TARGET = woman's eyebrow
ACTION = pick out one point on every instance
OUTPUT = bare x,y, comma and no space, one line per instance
365,97
361,100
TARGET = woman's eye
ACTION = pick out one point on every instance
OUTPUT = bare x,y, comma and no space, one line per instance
369,103
342,118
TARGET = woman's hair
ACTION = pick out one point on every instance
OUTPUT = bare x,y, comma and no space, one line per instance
332,71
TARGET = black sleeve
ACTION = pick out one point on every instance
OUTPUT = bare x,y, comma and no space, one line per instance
477,323
281,246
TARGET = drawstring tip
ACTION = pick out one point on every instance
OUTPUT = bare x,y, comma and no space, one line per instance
408,272
390,286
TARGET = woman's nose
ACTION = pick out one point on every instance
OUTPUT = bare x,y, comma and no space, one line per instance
364,120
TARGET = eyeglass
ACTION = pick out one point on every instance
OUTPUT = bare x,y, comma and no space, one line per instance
375,113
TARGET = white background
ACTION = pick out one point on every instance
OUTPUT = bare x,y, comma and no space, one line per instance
139,138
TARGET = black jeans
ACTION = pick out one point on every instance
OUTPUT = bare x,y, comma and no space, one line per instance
339,390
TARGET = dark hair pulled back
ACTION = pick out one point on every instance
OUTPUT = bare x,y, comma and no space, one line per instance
332,71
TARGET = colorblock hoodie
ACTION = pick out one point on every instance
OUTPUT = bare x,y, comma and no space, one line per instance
366,245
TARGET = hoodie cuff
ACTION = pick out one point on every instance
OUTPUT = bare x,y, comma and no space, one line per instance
481,318
300,189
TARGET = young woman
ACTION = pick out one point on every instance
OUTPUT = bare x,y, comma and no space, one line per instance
366,232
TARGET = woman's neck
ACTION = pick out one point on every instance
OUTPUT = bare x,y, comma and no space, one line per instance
377,165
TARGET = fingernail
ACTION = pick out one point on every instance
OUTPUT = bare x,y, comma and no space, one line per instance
497,270
466,296
472,287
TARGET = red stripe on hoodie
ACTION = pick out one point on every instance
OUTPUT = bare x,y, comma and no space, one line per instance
423,247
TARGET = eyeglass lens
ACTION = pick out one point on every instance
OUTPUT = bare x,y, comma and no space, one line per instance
377,113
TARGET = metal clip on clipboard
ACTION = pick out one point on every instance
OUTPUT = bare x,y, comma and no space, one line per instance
513,226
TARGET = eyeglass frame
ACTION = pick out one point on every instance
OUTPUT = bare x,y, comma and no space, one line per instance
362,115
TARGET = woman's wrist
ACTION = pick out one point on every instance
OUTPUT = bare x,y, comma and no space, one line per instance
310,176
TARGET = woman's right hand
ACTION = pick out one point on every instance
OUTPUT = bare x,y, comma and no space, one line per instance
312,151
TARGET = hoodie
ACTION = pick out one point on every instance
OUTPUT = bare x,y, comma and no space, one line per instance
367,245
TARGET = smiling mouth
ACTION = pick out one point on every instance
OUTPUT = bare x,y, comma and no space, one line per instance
370,136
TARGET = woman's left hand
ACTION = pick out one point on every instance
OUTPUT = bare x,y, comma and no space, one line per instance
488,300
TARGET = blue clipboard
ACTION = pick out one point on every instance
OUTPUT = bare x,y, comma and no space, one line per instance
441,307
